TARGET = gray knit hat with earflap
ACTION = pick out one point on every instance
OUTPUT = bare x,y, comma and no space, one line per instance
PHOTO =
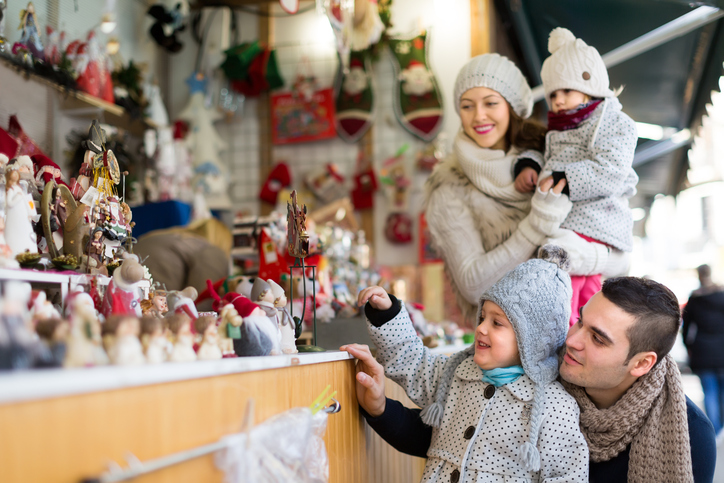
536,298
499,74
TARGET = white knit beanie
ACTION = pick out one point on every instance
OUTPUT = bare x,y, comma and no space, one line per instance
499,74
575,65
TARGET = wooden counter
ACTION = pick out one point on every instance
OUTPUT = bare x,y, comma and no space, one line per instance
66,424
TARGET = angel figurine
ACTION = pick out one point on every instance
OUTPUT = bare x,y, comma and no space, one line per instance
297,238
19,233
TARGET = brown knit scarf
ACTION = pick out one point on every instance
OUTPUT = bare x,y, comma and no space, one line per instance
651,417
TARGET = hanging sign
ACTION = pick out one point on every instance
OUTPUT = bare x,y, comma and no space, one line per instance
298,119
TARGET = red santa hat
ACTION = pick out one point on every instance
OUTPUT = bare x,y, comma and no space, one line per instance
414,63
46,169
356,62
243,305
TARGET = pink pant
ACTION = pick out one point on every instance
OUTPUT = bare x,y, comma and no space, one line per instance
584,286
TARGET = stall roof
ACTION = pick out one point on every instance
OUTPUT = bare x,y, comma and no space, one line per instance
668,85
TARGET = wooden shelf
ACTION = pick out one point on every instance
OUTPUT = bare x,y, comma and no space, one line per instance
79,104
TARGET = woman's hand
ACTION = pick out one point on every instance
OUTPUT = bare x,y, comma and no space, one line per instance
370,379
376,296
548,210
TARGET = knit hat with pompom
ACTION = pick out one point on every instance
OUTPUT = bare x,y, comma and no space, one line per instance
536,298
575,65
499,74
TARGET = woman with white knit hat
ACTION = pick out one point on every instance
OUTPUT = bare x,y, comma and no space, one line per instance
479,224
590,143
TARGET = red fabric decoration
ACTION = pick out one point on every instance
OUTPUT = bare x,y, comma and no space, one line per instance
119,302
365,185
180,130
271,263
243,305
8,145
278,178
26,146
398,228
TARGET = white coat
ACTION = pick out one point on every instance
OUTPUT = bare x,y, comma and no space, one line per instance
597,158
479,437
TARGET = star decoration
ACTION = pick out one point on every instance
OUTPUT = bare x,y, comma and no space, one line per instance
196,82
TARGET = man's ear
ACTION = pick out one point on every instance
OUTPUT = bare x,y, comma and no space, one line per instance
642,363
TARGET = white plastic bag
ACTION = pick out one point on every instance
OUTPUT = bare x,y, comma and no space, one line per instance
285,448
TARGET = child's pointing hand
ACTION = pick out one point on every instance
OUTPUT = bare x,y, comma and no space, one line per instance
376,296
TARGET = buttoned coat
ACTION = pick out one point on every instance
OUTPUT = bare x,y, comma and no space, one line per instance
479,438
597,158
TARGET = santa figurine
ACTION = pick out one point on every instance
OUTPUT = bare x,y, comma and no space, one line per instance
209,348
183,348
125,348
356,81
154,342
230,329
416,79
122,296
284,320
46,170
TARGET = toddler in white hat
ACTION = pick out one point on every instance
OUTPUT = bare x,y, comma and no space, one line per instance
590,143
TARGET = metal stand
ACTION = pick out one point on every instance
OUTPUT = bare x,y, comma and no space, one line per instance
299,263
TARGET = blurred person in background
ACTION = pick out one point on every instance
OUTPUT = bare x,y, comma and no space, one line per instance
703,332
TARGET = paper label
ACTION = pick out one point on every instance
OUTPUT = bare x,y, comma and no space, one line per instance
90,196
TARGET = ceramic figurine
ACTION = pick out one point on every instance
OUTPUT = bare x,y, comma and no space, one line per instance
183,347
154,341
30,36
126,349
230,329
284,320
122,296
19,212
53,333
262,295
19,347
96,249
84,340
209,348
42,308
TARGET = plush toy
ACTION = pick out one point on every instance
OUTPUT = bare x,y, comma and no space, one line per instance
122,296
286,325
259,335
182,302
183,348
168,23
209,348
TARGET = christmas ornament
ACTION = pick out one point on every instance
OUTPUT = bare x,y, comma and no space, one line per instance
271,263
418,103
167,24
355,98
365,184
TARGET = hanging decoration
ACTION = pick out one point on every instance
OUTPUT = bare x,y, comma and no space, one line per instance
204,143
340,14
418,104
252,69
367,26
168,23
304,114
355,98
398,226
365,183
279,177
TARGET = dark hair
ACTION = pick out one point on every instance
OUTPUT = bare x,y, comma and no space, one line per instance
704,271
655,309
525,133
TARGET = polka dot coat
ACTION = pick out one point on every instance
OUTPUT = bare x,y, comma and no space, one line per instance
597,158
479,437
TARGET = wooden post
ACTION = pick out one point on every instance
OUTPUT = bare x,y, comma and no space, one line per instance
482,27
266,161
367,217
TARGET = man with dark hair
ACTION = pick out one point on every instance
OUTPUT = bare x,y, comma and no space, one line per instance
639,425
704,338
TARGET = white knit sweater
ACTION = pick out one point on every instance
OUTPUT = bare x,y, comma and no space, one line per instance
482,228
